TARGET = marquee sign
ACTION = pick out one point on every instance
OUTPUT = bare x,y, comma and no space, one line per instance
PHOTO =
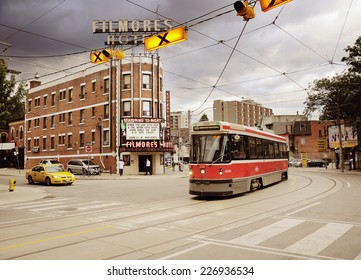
130,32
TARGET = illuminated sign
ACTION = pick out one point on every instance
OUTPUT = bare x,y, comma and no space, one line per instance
130,32
167,38
142,131
267,5
206,127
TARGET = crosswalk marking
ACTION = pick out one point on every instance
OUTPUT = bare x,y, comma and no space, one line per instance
262,234
320,239
62,205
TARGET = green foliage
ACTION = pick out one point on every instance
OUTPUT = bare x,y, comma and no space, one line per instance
12,106
204,118
339,97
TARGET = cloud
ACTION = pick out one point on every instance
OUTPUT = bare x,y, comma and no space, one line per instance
279,54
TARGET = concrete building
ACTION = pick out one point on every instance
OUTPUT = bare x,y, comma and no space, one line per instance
246,112
179,125
103,113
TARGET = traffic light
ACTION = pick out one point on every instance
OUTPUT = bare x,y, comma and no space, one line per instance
167,38
242,8
267,5
101,56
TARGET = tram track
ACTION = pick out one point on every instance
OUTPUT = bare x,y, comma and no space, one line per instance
234,201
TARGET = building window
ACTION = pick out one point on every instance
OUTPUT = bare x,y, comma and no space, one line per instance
44,123
146,108
82,92
53,99
93,136
62,139
52,142
21,133
70,118
52,121
146,81
93,111
37,101
62,94
44,143
70,141
62,118
81,140
29,105
126,81
70,96
106,111
45,101
37,122
126,109
93,86
82,116
106,138
29,144
106,85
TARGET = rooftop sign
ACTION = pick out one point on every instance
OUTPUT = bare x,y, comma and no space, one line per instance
130,32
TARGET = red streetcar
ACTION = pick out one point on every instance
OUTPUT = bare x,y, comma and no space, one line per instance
228,159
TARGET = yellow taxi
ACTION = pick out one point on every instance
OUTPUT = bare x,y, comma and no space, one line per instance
49,174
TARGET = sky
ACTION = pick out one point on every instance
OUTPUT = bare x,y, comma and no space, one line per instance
272,58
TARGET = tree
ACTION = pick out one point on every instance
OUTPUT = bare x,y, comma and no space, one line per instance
338,97
203,118
12,106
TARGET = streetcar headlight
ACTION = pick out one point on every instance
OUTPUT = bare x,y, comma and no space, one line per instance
190,172
203,171
220,171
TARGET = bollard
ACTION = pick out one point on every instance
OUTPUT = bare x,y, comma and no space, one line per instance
12,183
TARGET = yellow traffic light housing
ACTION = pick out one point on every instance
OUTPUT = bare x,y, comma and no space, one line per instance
243,9
267,5
167,38
101,56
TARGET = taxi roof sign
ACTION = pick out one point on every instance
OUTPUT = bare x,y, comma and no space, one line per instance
167,38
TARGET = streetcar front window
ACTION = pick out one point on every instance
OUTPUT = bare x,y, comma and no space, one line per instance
210,148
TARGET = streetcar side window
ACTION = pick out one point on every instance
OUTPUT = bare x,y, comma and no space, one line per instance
271,149
259,148
238,149
265,148
252,147
277,150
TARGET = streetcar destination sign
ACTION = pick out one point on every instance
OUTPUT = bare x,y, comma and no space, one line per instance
130,32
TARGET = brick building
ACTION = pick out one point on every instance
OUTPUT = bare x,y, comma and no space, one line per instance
245,112
103,113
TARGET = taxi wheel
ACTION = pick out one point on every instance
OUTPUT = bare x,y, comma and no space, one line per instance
30,180
48,181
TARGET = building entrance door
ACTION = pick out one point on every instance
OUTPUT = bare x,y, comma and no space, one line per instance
142,163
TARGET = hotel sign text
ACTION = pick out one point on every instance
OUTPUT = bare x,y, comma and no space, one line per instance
130,32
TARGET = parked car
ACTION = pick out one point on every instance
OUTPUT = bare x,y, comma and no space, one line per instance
50,161
83,166
295,163
317,163
49,174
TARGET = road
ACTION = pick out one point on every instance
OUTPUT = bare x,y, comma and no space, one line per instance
314,215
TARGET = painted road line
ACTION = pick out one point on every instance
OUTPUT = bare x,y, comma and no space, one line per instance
267,232
304,208
317,241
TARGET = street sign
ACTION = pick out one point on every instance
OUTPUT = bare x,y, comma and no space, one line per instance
167,38
88,148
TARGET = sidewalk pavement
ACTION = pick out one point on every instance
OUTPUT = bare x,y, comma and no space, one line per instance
28,193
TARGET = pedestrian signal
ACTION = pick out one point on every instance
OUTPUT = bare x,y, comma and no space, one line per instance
267,5
243,9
